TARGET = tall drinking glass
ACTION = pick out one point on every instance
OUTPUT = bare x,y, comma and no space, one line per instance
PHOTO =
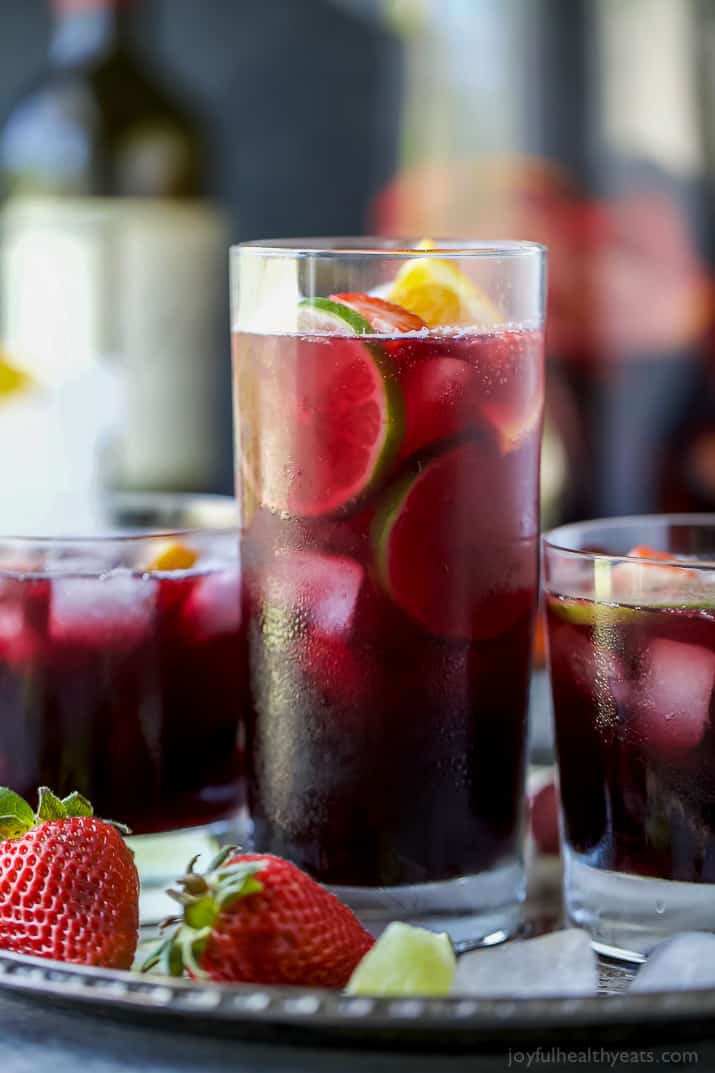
631,632
388,403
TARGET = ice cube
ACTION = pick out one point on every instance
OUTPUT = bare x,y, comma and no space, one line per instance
116,608
681,962
672,698
323,588
213,607
562,963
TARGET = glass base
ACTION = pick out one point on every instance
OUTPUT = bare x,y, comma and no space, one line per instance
162,858
478,910
627,915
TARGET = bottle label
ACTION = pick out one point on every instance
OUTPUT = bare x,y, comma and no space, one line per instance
116,305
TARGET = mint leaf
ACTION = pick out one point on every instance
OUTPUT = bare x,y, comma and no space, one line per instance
49,806
76,805
16,816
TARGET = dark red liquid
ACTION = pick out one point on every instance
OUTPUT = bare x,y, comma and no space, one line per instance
389,637
634,708
127,689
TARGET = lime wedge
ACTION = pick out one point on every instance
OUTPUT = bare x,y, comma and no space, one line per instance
324,316
406,961
590,613
331,419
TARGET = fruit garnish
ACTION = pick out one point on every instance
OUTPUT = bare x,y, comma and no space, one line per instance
12,379
173,556
331,317
256,918
590,612
69,889
385,318
444,566
406,961
330,424
647,583
441,294
643,551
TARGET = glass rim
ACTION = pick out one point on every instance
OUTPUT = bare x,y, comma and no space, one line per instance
552,538
139,500
371,246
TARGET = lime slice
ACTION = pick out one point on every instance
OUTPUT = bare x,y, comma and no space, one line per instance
331,416
406,961
589,613
325,317
416,530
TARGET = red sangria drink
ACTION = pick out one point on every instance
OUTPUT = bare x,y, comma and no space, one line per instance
121,674
631,636
388,451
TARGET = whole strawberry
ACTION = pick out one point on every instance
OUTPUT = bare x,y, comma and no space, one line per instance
68,885
256,918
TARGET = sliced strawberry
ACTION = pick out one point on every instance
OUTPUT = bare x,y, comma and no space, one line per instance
385,318
647,581
644,551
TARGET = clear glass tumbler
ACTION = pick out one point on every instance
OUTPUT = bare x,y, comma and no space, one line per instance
631,637
388,402
121,672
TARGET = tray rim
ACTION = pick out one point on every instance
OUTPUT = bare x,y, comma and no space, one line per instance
304,1008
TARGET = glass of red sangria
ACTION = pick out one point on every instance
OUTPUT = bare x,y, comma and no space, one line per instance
121,672
631,637
388,402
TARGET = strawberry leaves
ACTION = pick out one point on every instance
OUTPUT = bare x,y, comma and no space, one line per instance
50,807
17,818
76,805
202,898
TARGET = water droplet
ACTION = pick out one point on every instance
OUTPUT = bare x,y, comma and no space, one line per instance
660,907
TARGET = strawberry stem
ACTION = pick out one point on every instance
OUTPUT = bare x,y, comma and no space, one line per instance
203,898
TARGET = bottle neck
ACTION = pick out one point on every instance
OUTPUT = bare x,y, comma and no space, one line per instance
88,29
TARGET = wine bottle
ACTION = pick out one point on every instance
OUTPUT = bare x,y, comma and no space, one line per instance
113,267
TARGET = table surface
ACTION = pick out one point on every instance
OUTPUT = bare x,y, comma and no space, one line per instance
36,1036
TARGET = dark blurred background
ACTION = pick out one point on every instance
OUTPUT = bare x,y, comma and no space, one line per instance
140,137
299,99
